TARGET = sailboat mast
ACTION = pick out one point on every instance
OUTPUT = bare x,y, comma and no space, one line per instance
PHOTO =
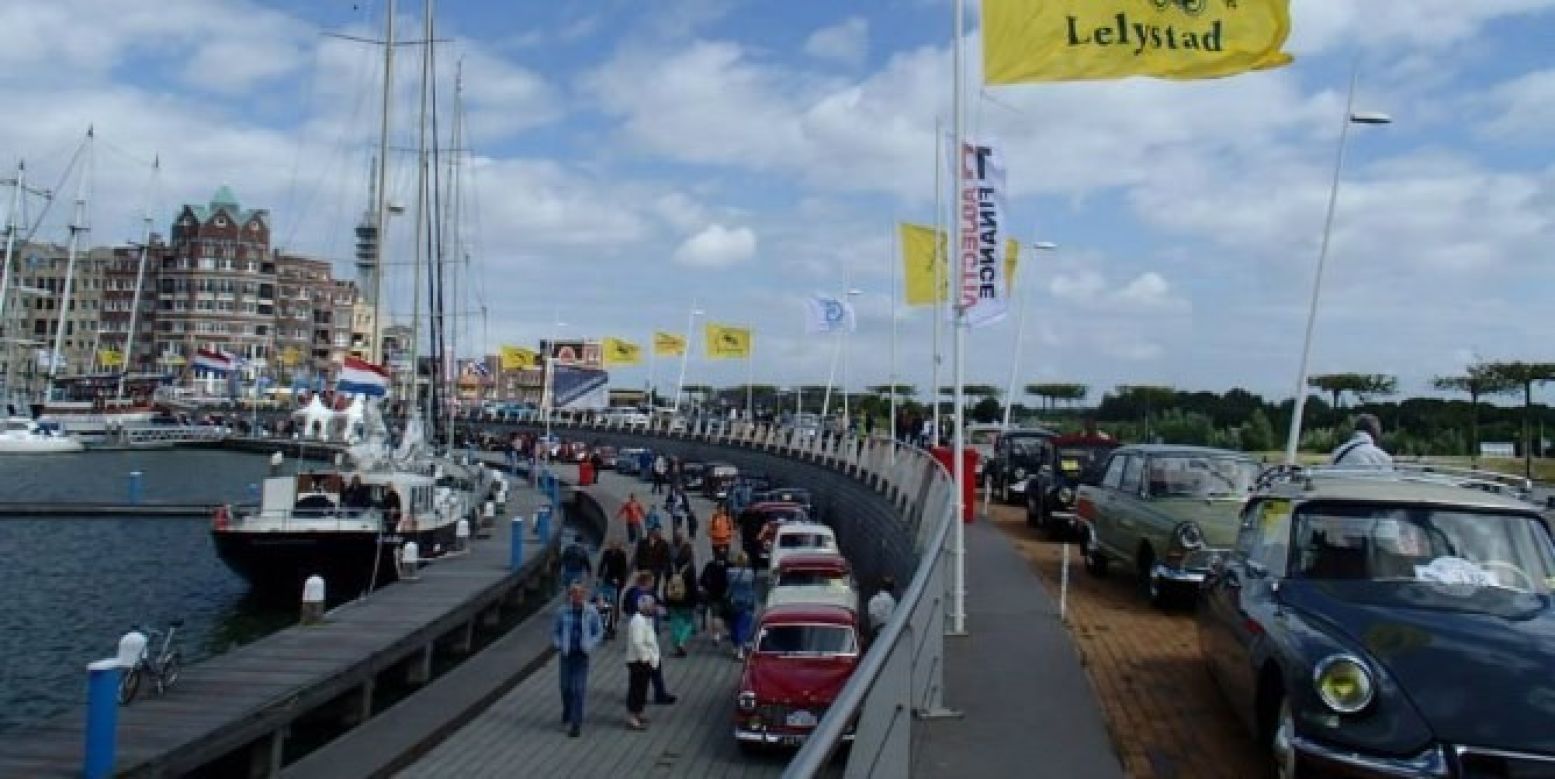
10,237
380,196
127,357
456,148
77,227
436,309
420,218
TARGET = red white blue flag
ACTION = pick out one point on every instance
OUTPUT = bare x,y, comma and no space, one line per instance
213,361
363,378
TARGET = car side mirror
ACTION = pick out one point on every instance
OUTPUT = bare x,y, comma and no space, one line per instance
1256,570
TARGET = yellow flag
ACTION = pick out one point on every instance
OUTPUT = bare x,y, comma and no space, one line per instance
290,356
918,265
668,344
622,352
728,343
515,357
1074,40
109,358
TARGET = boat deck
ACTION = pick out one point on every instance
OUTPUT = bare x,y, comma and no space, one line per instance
249,696
691,738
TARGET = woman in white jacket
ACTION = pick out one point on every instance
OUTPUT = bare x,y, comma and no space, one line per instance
642,656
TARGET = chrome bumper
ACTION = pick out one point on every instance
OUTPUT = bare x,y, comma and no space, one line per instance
776,739
1430,763
1191,570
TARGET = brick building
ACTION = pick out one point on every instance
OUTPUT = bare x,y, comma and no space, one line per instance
217,285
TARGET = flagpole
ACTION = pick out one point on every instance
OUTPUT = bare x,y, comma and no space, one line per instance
653,350
895,291
958,344
685,354
939,267
750,378
831,375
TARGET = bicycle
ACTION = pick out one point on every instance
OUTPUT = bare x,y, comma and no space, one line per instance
162,669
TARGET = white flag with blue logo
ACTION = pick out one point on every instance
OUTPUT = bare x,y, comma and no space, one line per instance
828,314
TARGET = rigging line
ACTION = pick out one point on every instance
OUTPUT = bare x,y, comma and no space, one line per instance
63,179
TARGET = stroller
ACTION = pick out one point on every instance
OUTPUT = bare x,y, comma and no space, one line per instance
605,600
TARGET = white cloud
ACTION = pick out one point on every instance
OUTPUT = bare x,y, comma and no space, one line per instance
1078,287
1526,106
717,247
846,42
1147,289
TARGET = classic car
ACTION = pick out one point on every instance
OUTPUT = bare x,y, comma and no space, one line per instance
1165,511
1053,485
746,487
1385,624
718,479
802,657
799,537
575,451
1016,458
798,495
813,577
608,457
981,438
629,461
758,525
692,474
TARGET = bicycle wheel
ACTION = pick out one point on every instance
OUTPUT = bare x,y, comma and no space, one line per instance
129,684
169,675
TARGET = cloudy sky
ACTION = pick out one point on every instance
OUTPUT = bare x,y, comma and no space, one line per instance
628,158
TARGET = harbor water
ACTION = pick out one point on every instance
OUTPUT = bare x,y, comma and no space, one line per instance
74,585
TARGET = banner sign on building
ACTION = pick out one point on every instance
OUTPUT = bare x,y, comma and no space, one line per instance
982,292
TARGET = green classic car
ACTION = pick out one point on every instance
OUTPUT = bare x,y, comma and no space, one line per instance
1164,510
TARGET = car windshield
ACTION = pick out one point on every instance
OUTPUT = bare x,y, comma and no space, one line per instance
805,640
982,435
812,579
1424,544
1197,476
801,540
1073,460
1024,446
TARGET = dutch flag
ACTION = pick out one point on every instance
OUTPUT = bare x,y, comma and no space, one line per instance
213,361
363,378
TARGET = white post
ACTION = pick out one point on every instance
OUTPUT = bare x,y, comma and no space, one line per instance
939,270
895,291
685,354
10,237
831,376
1063,587
958,346
750,378
77,227
380,206
140,281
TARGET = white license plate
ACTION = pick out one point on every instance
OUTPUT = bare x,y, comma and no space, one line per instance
801,719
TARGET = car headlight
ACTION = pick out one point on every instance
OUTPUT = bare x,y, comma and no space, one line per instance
1065,495
1020,473
1343,683
1188,536
747,701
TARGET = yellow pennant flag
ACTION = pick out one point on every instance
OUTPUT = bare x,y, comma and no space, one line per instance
513,358
622,352
1075,40
918,265
668,344
109,358
728,343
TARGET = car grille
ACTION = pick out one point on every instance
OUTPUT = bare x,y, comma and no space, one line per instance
1474,763
776,714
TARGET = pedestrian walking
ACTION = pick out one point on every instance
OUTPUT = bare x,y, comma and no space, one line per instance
642,659
653,555
630,606
741,583
661,469
715,595
631,512
720,531
882,605
680,597
575,562
575,633
613,569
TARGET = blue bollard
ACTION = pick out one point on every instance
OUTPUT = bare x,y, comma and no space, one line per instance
543,523
135,488
102,719
516,546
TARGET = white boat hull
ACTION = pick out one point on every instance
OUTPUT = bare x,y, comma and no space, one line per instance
40,445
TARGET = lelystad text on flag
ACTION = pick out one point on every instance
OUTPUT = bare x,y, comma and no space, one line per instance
514,358
829,314
919,258
1071,40
619,351
726,342
361,377
213,361
668,344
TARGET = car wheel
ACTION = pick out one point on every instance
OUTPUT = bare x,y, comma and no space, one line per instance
1095,560
1154,590
1282,748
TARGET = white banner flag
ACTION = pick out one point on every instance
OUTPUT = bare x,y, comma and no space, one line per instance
827,314
981,292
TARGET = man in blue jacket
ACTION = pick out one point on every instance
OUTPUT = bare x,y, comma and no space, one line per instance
576,633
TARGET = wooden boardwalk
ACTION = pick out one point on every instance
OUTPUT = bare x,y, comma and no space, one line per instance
250,695
521,734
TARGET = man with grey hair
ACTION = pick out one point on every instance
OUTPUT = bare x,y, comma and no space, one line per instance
575,633
1362,451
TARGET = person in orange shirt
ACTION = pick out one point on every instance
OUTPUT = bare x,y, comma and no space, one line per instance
720,531
632,512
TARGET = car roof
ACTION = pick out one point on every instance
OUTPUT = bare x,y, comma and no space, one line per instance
811,595
775,505
830,561
825,613
795,528
1393,487
1080,439
1183,449
1029,432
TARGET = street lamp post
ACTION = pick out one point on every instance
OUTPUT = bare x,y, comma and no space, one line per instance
1020,331
685,354
1351,116
846,332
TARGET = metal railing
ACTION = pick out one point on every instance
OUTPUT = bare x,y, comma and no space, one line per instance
901,677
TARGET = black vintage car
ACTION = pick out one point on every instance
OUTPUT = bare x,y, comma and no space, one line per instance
692,474
1052,486
1379,624
1016,456
718,479
799,495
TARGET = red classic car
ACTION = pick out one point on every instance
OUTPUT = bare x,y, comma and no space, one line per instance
822,578
803,656
759,522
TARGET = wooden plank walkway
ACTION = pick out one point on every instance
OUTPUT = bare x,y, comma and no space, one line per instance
235,698
521,734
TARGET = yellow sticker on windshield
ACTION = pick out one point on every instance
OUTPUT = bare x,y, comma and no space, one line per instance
1275,510
1069,465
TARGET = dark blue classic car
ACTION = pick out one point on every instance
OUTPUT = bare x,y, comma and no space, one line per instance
1388,624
